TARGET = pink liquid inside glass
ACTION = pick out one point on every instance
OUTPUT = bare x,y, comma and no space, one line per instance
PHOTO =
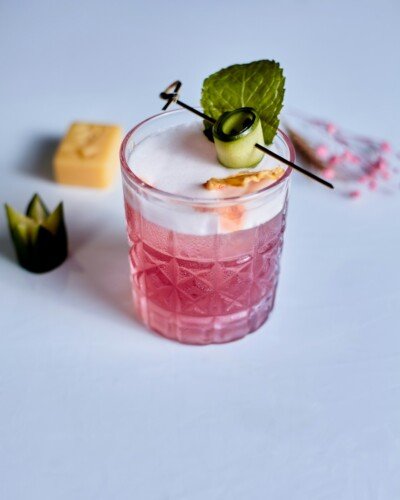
204,289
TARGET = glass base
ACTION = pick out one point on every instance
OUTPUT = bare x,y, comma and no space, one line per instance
197,330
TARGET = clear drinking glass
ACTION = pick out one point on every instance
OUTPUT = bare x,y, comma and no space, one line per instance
216,283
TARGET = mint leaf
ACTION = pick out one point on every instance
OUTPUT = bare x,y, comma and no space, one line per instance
259,85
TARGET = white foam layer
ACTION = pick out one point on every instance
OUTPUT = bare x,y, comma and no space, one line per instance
179,160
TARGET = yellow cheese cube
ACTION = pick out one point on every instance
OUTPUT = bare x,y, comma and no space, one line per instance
88,155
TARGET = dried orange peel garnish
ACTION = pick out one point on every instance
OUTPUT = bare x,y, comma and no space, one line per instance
244,179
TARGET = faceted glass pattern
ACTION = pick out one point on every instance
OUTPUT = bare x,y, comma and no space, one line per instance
204,289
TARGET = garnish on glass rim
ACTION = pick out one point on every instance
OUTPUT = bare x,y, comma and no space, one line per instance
259,84
244,179
171,94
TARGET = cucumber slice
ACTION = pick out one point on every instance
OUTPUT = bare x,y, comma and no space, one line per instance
40,238
22,231
54,220
235,135
20,237
37,210
16,218
49,251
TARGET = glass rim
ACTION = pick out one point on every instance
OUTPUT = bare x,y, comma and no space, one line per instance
159,193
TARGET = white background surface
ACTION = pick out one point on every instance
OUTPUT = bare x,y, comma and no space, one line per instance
93,406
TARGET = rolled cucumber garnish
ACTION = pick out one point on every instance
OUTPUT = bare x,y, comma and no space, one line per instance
235,135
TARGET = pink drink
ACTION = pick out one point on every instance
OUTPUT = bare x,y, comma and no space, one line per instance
203,270
203,289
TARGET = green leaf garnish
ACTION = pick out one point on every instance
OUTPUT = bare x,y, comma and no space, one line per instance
40,238
260,85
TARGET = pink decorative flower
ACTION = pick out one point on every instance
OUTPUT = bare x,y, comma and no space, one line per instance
347,155
333,161
386,147
322,151
372,185
356,160
381,164
329,173
331,128
350,158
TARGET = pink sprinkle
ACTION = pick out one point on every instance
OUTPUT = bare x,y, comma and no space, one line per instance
386,175
386,147
329,173
381,164
331,128
374,167
363,179
333,161
355,194
355,159
322,151
347,155
372,184
373,174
